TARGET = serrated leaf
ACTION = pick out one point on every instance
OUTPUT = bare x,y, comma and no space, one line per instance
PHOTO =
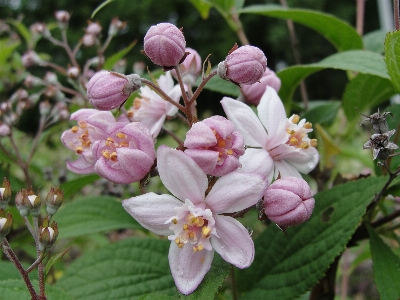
392,57
14,289
360,61
112,60
342,35
365,91
212,281
375,40
74,186
324,113
54,259
287,265
127,269
92,215
386,267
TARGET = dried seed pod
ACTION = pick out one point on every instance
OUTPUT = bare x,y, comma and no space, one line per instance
381,146
378,121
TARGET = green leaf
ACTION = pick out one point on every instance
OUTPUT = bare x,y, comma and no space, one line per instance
92,215
392,57
16,290
74,186
386,267
375,40
212,281
157,296
342,35
324,113
7,47
360,61
23,31
112,60
126,269
287,265
365,91
54,259
216,84
98,8
202,7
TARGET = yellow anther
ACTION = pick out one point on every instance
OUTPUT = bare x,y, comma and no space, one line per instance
293,141
110,140
130,114
199,222
83,124
181,245
200,247
86,143
177,241
304,145
191,235
121,135
124,144
185,226
75,129
221,143
189,217
79,150
229,152
195,249
106,154
137,103
295,119
175,221
313,142
113,156
205,231
307,125
84,136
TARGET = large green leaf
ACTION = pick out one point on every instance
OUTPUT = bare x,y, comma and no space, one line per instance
392,57
287,265
375,40
365,91
339,33
75,185
360,61
323,113
92,215
127,269
386,267
15,289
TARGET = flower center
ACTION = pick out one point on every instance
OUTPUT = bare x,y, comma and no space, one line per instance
81,141
298,133
223,147
112,143
193,224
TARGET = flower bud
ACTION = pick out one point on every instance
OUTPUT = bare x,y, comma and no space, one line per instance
190,68
5,224
244,65
73,72
21,202
32,81
108,90
34,202
30,58
62,17
39,29
381,145
116,26
94,28
288,201
5,193
252,93
54,199
164,45
47,236
5,129
88,40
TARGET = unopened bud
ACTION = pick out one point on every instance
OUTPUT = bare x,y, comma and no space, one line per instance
73,72
30,58
51,78
5,129
62,16
5,223
5,193
32,81
116,26
88,40
94,28
44,107
54,199
378,121
34,202
47,236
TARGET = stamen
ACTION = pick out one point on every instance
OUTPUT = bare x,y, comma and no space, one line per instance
295,119
185,226
175,221
200,247
229,152
307,125
205,232
106,154
75,129
79,150
293,141
221,143
305,145
313,142
121,135
124,144
83,124
114,156
130,114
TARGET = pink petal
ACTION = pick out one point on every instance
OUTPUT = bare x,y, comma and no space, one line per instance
234,243
187,267
134,162
114,175
80,166
271,110
206,159
152,211
181,175
236,191
199,136
101,119
245,121
223,126
230,164
256,161
83,114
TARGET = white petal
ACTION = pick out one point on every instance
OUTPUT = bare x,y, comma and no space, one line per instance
234,243
271,111
181,175
245,121
236,191
306,162
187,267
256,161
285,169
152,211
175,95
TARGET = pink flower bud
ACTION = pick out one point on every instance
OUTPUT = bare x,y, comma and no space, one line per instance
94,28
253,93
5,130
190,68
245,65
164,45
215,145
30,58
108,90
116,26
62,16
73,72
88,40
288,201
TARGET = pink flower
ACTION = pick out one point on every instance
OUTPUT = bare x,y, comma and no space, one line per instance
276,145
150,109
253,93
194,223
215,145
126,155
108,90
288,201
245,65
164,44
190,68
92,126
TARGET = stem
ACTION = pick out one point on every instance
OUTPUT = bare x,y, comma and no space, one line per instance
396,14
325,288
234,287
54,66
35,263
31,230
239,31
386,219
188,104
345,275
360,16
67,48
392,176
14,259
173,135
201,86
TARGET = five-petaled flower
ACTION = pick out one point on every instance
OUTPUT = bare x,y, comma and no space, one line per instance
276,145
194,222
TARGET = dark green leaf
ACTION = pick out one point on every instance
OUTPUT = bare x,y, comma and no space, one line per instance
127,269
288,265
392,57
224,87
7,46
92,215
202,7
365,91
23,31
323,114
386,267
54,259
112,60
74,186
339,33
